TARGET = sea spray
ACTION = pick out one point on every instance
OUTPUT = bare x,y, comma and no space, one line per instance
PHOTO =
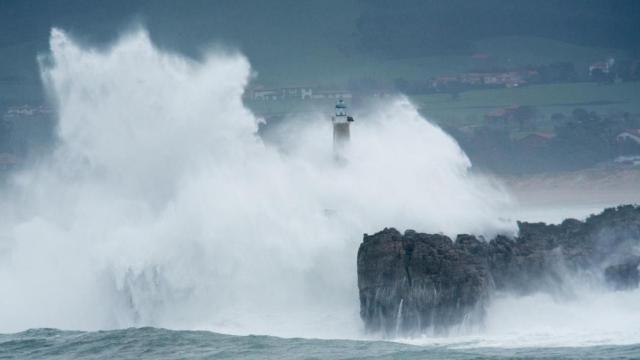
162,206
399,318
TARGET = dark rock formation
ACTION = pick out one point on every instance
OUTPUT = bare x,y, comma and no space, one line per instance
414,282
437,280
623,276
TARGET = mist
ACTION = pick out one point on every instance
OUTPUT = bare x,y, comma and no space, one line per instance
186,179
161,206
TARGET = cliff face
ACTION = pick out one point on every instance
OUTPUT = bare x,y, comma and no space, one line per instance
414,282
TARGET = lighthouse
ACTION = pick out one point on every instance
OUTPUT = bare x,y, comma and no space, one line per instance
341,134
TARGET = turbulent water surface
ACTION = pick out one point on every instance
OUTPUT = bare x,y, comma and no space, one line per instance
151,343
162,206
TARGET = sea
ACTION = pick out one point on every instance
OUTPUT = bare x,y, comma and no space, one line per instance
155,343
161,205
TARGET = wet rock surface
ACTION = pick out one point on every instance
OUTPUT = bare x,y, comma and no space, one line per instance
416,282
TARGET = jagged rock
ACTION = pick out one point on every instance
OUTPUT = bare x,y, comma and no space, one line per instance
419,280
414,282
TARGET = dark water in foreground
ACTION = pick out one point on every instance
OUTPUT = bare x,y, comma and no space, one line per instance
151,343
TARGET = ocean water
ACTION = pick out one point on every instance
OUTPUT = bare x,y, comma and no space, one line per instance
153,343
161,206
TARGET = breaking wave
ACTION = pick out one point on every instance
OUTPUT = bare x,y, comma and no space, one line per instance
160,204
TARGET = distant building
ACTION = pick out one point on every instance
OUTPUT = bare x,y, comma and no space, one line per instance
628,160
27,111
306,93
603,67
631,135
628,142
440,82
515,117
478,79
331,94
472,78
507,79
535,140
300,93
295,93
264,94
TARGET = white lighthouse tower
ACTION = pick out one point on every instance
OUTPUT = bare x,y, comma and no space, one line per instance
341,134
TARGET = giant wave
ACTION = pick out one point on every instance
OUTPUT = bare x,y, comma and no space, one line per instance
160,205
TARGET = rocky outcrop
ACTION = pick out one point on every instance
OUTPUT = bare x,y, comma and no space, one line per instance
623,276
414,282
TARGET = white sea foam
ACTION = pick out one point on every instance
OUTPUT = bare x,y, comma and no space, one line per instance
590,317
161,206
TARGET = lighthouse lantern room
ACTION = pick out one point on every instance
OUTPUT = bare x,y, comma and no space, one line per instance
341,134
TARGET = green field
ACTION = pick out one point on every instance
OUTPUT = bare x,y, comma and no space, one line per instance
470,106
324,64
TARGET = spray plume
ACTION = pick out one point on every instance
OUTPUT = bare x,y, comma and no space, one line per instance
161,205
